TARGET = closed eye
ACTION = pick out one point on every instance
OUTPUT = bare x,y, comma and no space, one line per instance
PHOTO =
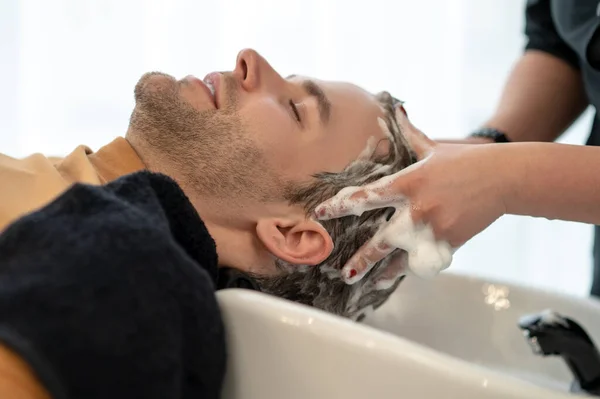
295,110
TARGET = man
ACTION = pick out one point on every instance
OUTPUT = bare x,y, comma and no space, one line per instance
121,270
554,81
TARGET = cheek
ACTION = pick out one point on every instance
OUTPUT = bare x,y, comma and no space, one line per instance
273,131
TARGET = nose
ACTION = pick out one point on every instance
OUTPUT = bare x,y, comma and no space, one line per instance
254,72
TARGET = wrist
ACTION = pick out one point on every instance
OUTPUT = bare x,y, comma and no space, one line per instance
511,172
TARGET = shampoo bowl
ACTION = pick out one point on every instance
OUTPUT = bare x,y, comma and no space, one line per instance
451,337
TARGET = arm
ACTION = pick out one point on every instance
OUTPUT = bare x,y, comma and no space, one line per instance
544,93
554,181
459,190
542,98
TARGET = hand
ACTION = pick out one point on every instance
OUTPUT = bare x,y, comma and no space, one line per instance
456,189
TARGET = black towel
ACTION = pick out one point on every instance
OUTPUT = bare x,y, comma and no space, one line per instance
109,292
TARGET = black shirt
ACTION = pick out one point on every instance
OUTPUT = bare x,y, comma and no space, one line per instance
568,29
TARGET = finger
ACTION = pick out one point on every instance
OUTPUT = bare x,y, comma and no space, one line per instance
346,202
355,201
383,193
420,144
418,141
396,267
365,258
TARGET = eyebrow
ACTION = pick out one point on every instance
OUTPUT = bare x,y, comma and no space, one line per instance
314,90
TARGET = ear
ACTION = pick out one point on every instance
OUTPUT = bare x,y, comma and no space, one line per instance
297,241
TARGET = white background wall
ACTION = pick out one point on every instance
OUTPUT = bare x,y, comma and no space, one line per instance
68,68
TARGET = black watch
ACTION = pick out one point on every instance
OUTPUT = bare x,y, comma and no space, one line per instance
489,133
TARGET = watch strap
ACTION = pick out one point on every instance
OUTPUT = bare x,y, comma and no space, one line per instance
490,133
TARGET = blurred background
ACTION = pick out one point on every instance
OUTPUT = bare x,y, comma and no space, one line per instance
69,67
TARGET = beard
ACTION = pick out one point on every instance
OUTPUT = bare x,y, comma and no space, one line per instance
210,152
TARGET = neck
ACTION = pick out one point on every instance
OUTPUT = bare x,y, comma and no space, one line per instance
231,222
234,233
237,248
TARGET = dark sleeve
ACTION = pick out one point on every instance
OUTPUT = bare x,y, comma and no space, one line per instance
96,296
542,35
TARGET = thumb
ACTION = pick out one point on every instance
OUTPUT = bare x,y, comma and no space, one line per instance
417,140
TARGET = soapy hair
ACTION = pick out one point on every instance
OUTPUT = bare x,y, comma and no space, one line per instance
321,286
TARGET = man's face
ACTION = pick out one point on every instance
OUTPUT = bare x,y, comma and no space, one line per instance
258,129
241,139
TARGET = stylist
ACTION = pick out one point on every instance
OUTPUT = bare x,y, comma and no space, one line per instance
460,189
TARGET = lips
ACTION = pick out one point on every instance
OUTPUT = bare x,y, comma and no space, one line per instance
207,87
213,82
211,87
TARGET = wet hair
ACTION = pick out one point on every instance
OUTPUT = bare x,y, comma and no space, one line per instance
321,286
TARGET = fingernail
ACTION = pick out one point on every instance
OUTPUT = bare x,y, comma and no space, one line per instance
321,212
350,274
403,110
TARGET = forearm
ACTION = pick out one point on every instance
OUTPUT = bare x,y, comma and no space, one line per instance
554,181
468,140
542,97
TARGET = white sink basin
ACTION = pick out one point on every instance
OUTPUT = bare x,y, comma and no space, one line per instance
476,320
433,339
